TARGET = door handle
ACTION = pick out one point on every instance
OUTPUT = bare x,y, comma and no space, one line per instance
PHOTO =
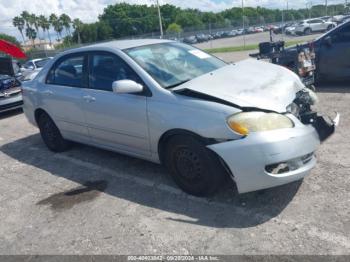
89,99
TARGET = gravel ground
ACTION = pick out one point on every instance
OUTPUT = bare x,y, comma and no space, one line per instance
90,201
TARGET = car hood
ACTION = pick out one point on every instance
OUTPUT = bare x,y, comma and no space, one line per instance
249,84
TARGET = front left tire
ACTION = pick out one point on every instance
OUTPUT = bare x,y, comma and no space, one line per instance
194,168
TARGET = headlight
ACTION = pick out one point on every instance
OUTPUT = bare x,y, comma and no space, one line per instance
246,122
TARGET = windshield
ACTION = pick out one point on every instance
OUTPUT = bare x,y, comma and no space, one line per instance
172,64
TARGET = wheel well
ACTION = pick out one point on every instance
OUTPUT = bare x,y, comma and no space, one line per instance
182,132
38,112
179,132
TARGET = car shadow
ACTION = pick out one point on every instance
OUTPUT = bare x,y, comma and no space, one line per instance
226,209
10,113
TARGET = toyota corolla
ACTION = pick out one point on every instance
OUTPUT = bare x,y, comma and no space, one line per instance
171,103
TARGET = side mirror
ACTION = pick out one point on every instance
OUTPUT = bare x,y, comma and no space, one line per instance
328,41
126,87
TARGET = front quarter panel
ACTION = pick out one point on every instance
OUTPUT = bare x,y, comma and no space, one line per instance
204,118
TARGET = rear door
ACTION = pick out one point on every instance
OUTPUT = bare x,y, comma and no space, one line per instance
62,95
317,25
334,59
115,121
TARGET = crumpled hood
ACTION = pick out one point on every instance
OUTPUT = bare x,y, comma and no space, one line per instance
249,83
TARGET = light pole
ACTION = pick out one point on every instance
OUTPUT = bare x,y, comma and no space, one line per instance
326,7
243,22
160,20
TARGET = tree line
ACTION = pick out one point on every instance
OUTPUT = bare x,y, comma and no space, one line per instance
38,26
127,20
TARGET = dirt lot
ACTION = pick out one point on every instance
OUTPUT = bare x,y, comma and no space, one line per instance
90,201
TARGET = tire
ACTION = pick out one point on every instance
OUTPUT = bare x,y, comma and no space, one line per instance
194,168
51,135
307,31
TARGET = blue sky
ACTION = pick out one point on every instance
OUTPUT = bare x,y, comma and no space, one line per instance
88,10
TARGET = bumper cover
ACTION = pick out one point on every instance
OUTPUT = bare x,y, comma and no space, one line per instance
11,103
252,159
249,158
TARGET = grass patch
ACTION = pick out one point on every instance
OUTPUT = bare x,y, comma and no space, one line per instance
230,49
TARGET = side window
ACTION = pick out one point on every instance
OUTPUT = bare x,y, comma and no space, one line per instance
67,72
107,68
342,35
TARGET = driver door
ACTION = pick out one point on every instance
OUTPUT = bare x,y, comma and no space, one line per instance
334,58
115,121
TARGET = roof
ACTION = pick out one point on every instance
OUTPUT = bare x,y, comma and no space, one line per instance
125,44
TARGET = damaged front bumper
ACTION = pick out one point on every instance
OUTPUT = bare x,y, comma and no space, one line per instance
268,159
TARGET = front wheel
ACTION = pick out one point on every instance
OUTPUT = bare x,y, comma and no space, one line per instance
194,168
51,135
307,31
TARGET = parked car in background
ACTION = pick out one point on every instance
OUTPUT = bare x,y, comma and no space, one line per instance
171,103
288,28
332,49
240,31
30,68
202,38
190,40
35,63
332,54
232,33
10,86
310,26
258,29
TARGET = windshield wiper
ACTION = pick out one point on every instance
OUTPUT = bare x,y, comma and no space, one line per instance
177,84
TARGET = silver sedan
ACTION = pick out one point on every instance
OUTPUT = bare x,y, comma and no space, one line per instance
171,103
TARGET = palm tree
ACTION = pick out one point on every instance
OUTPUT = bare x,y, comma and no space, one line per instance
25,15
31,20
77,23
35,20
66,22
45,26
19,23
31,34
57,25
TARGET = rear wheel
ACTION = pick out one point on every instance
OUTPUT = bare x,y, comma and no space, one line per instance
51,135
194,168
